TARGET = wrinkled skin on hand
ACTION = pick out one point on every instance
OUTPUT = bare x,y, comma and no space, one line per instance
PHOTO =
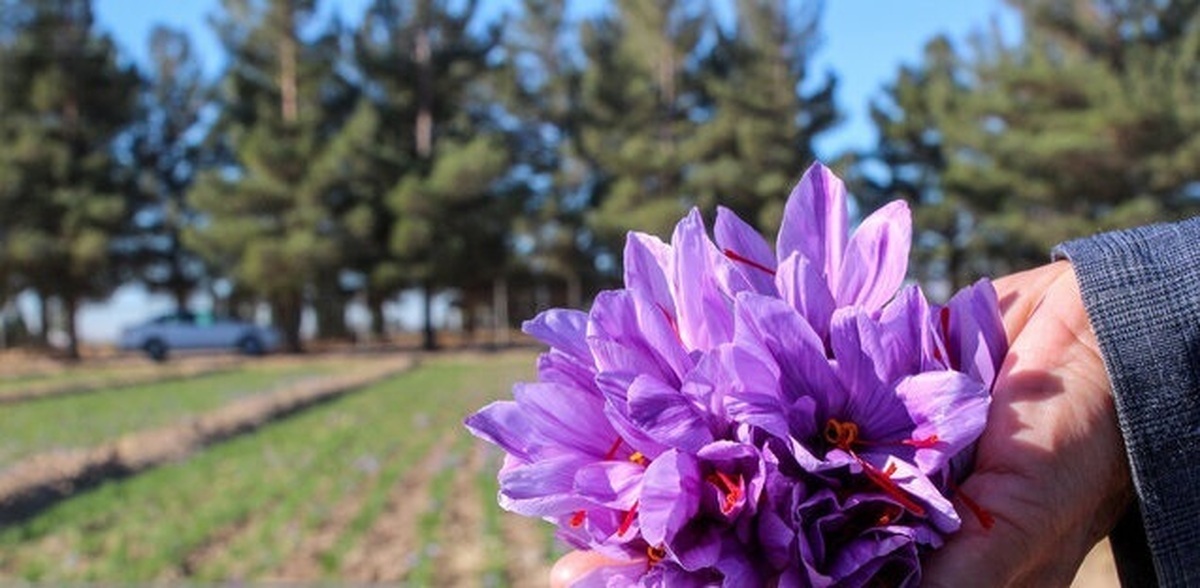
1050,466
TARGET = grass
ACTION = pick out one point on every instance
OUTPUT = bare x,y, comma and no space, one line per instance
88,374
83,420
251,493
430,523
488,487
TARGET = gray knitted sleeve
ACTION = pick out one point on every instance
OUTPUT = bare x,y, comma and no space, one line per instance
1141,289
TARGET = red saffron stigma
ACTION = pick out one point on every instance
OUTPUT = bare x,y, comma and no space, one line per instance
628,520
985,518
732,487
670,319
612,451
578,518
884,481
925,443
731,254
944,326
889,515
844,436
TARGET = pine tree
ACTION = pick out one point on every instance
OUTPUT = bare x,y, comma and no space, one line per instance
168,153
360,168
1088,124
64,100
265,218
428,74
760,137
639,95
915,144
543,93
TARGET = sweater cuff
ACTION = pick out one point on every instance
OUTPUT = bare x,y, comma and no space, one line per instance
1141,289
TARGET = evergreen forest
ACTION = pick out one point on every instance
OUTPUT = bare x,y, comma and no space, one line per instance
500,161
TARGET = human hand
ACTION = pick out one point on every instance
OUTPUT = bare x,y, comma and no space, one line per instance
1051,465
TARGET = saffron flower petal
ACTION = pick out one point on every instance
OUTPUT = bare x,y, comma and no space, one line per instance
814,222
976,338
648,270
703,310
670,496
876,258
751,258
668,415
948,406
806,290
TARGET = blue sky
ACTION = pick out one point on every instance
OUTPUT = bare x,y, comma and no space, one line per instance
865,42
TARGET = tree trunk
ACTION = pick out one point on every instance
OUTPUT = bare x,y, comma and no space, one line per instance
42,339
331,311
5,313
70,306
378,324
500,311
180,294
287,311
429,336
289,104
574,289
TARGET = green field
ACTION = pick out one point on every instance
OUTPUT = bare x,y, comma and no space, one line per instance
76,375
382,484
82,420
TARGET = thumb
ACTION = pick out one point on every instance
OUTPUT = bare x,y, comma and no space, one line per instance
975,555
573,566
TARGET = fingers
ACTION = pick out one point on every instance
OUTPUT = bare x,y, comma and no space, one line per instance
1021,293
575,565
978,556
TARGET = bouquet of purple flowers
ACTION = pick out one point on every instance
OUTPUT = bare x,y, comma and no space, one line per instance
742,416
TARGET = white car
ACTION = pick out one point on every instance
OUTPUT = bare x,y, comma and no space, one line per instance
187,331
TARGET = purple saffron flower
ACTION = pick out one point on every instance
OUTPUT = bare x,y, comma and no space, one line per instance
818,266
741,416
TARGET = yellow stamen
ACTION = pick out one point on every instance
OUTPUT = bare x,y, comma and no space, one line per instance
841,434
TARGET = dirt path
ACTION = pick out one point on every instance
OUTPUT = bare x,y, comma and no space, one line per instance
463,556
112,381
525,547
389,550
212,548
304,563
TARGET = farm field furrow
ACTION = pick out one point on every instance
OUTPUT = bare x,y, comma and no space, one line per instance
305,497
104,375
83,420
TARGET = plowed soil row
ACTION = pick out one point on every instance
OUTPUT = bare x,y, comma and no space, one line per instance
462,548
391,548
41,480
81,383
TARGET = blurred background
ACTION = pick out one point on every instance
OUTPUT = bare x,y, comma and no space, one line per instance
354,170
375,174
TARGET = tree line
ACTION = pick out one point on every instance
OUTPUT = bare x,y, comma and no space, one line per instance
502,159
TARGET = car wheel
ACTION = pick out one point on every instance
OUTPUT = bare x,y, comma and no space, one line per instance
156,350
250,345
